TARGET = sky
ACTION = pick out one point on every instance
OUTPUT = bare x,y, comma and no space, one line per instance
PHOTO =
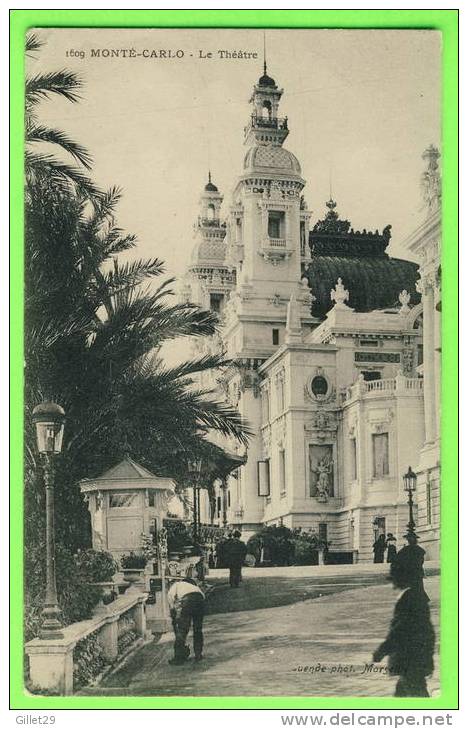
362,106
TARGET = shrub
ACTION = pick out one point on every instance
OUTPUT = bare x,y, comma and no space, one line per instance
88,660
76,598
276,542
305,552
133,561
178,535
95,566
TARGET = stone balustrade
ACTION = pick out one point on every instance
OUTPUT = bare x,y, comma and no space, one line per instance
51,661
390,386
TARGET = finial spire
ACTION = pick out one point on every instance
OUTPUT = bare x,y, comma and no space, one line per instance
209,175
264,54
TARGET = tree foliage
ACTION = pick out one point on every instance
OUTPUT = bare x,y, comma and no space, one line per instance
94,328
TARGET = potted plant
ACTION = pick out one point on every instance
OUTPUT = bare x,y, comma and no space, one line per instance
97,568
133,565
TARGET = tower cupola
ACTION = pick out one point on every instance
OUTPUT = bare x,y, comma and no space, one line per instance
265,126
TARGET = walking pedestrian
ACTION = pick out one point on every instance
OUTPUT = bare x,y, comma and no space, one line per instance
187,606
410,641
410,558
379,549
236,551
391,547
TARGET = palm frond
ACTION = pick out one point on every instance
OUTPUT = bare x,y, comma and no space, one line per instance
129,275
195,366
38,133
33,43
63,83
65,177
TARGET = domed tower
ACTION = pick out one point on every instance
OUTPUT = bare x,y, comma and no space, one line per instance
268,230
209,277
267,240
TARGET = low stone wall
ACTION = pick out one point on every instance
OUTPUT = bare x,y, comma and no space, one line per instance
51,661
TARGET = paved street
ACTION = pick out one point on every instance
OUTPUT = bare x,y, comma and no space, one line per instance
310,646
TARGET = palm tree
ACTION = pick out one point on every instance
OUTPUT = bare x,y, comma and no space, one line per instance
40,163
94,331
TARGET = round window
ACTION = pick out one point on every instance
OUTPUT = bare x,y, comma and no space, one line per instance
319,386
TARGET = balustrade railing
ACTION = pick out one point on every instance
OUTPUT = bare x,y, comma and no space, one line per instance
276,242
269,123
388,385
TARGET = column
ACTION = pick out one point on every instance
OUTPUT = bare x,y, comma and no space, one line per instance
108,637
437,355
429,356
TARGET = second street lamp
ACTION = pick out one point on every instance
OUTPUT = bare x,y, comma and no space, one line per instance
49,419
409,481
194,469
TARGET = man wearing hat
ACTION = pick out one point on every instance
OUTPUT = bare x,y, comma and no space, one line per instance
390,543
410,642
235,557
187,606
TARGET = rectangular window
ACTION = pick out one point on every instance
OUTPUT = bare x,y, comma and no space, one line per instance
265,406
429,502
303,238
124,501
282,472
380,454
368,343
151,498
353,458
218,506
323,531
229,499
263,476
275,336
216,301
275,224
280,393
370,375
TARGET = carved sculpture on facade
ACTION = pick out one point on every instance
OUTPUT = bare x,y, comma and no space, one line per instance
430,180
408,362
339,295
404,298
323,469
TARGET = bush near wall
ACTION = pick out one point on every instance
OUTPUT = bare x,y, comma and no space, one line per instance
76,596
283,546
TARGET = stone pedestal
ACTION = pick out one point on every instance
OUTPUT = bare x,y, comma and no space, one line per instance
51,666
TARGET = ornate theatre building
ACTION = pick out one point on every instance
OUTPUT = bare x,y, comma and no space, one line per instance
335,371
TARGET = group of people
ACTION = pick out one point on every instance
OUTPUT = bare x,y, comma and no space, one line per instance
409,644
384,544
186,601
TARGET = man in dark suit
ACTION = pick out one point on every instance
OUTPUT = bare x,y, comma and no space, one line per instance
236,552
410,641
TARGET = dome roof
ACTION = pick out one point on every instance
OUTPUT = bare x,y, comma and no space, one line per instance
205,252
359,258
266,80
210,187
373,282
272,156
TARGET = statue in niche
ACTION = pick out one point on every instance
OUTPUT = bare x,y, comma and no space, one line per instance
323,482
321,472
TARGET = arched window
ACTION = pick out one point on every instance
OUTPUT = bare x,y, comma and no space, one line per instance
266,110
211,211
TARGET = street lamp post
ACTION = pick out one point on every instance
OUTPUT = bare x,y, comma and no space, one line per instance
49,419
409,481
194,468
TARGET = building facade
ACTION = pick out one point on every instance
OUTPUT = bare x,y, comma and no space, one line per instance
325,330
424,246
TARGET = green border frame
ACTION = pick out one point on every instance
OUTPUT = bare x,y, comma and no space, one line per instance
445,21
